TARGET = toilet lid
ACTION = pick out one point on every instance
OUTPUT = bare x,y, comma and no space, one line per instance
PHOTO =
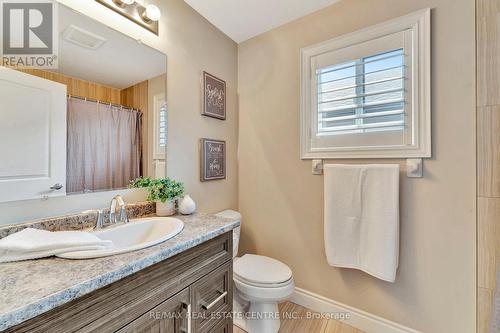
261,270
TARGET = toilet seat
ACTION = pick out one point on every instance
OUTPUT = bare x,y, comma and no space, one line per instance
253,293
260,271
261,285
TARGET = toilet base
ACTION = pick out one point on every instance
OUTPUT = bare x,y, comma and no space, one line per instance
257,317
263,318
240,308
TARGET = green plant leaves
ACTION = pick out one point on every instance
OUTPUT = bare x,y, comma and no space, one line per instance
164,189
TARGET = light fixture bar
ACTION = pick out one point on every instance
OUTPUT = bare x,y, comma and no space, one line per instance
123,3
136,13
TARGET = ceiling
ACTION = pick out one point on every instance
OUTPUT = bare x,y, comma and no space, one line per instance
244,19
120,62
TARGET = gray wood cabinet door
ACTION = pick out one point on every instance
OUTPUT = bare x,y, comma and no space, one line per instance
212,298
170,316
225,326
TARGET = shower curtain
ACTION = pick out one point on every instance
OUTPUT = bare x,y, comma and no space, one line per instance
104,146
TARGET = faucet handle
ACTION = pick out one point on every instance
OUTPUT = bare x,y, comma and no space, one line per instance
99,224
122,217
112,211
120,201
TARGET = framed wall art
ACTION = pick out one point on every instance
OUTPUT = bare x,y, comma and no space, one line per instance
213,160
214,97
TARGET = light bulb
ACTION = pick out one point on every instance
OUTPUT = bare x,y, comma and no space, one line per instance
151,13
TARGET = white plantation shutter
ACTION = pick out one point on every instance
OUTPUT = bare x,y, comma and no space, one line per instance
366,94
362,95
160,140
162,126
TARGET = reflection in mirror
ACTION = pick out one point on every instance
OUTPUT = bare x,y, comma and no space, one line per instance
112,129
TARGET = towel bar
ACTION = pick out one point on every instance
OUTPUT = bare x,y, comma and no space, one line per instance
414,167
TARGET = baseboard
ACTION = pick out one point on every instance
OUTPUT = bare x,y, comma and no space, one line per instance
357,318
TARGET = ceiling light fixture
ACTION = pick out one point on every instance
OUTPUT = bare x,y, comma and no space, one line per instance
147,16
151,14
123,3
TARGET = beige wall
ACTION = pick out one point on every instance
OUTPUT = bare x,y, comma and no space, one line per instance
282,202
192,45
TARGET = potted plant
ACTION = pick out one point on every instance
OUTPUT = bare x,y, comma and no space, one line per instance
164,192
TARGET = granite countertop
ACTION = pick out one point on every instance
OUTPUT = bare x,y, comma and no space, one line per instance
30,288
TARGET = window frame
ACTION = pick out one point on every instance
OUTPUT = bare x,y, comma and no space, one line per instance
416,25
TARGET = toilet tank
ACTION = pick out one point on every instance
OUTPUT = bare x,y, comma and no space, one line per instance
231,214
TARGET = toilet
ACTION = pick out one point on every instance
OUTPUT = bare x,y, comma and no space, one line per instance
260,283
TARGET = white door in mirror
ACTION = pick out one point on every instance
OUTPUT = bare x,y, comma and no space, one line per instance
33,137
132,236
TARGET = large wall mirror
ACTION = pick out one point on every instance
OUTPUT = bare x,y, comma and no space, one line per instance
93,124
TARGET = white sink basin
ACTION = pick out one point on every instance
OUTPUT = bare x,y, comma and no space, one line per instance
132,236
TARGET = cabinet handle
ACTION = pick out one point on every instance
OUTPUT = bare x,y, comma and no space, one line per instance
56,187
189,315
211,305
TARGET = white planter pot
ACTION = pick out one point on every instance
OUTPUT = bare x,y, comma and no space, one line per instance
165,208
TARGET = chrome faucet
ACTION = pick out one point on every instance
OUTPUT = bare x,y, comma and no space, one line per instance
122,217
99,223
117,201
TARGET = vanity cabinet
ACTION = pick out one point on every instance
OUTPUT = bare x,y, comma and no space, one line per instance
188,293
169,316
225,326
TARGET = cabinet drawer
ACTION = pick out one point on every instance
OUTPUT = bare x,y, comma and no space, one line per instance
212,298
170,316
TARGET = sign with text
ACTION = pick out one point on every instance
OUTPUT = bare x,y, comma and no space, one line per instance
214,97
213,160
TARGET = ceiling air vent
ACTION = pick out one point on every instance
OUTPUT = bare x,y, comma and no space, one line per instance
82,37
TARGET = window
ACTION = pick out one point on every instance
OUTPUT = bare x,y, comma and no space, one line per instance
367,94
160,125
361,96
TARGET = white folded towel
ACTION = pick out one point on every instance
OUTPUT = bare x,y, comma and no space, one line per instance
33,244
362,218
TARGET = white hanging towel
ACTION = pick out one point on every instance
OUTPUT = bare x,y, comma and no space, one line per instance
33,244
362,218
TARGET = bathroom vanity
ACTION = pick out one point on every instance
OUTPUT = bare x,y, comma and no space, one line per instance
182,285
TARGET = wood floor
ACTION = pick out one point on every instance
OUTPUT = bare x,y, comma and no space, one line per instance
305,325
